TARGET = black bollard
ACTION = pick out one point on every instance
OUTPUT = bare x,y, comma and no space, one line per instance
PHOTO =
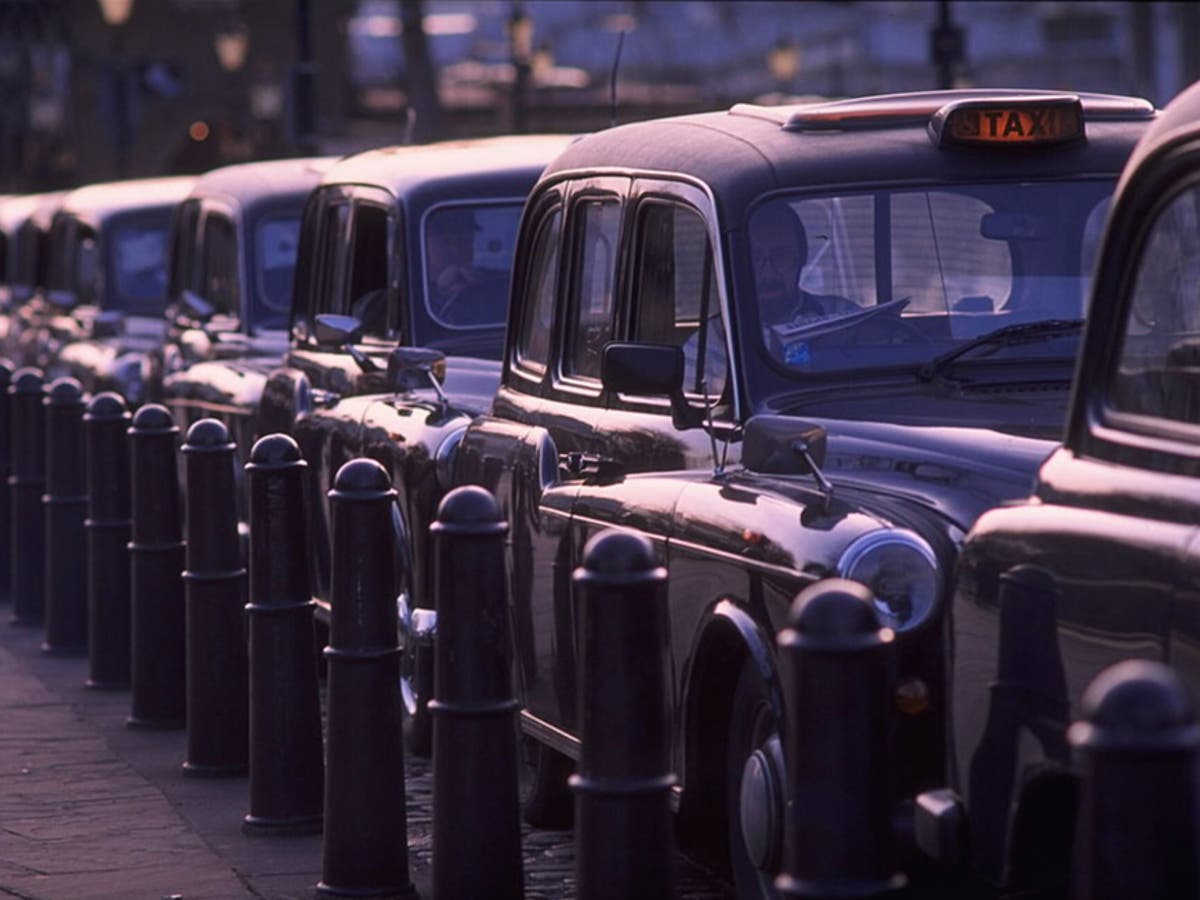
476,800
64,509
1137,750
107,527
218,742
286,764
26,485
624,843
365,845
834,659
6,374
156,558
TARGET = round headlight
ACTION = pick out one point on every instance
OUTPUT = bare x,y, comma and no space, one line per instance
901,571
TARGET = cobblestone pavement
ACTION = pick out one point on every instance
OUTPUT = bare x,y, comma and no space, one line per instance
92,809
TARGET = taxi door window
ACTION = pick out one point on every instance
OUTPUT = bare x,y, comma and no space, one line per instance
591,326
220,267
537,314
89,270
325,266
676,299
1158,373
369,270
183,247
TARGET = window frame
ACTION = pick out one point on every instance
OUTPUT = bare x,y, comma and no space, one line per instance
570,386
697,198
212,210
1118,426
360,199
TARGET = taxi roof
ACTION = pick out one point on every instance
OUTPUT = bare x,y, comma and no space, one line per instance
506,162
39,208
1179,120
95,203
247,184
747,151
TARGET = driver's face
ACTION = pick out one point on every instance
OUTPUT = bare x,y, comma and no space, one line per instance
776,261
450,248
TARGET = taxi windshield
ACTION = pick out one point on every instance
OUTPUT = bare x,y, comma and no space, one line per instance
137,261
467,258
905,277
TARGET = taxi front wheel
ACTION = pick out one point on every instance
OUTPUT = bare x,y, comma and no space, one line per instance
754,788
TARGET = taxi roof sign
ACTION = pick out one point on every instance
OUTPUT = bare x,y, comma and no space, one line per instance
1009,122
918,108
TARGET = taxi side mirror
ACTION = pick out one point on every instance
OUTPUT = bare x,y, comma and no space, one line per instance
649,370
332,332
782,445
413,368
196,306
63,299
108,323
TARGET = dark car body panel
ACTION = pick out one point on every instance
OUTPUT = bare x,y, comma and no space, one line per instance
336,409
25,222
101,211
918,457
1113,520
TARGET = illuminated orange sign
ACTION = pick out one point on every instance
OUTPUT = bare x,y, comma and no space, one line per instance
1051,122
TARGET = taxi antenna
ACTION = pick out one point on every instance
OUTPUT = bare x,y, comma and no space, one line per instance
612,84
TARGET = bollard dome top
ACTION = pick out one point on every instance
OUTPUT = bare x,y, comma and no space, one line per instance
107,405
64,392
1034,579
153,417
207,434
275,451
615,553
362,479
28,380
469,505
1137,703
6,371
834,614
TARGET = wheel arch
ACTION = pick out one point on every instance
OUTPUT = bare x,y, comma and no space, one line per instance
728,639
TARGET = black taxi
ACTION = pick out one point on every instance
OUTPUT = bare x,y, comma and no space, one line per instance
234,246
1110,530
107,280
397,327
24,260
786,344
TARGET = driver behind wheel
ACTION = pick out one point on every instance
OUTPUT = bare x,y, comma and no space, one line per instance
778,253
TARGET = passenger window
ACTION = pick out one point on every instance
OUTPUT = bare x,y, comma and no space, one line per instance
89,273
676,300
220,286
183,241
1158,373
325,265
537,315
592,323
369,270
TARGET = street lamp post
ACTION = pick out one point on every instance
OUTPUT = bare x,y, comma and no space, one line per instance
231,44
520,37
116,14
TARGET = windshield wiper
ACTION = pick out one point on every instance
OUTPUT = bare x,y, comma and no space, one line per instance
1009,335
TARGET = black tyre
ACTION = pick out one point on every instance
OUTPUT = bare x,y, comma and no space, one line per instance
754,787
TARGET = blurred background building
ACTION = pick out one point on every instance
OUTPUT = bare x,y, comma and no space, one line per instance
97,89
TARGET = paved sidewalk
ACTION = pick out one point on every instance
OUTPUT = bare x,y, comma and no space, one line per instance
92,809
